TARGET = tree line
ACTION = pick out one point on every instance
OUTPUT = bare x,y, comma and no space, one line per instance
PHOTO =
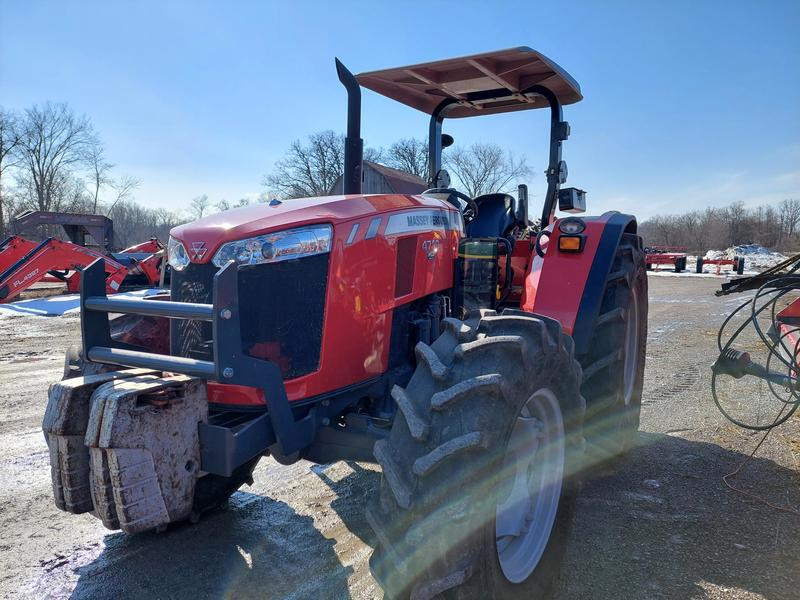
773,226
52,159
311,168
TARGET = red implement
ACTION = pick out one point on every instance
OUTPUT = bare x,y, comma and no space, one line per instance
666,255
33,262
12,249
788,325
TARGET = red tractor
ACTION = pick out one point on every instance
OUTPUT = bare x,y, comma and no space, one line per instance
484,367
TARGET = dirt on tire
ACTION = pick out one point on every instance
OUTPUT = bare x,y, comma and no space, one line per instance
443,471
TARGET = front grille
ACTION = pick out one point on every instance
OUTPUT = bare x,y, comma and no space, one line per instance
192,338
282,310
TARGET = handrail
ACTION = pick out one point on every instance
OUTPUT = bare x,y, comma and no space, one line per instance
230,363
160,308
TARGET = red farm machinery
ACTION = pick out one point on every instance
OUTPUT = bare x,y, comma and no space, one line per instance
24,263
760,343
666,255
736,263
486,367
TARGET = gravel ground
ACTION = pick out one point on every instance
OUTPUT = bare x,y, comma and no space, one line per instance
662,524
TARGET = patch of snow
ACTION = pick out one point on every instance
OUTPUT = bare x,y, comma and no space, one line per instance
56,306
688,273
714,255
755,256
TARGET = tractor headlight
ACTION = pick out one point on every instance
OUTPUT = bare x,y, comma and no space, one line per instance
178,257
277,246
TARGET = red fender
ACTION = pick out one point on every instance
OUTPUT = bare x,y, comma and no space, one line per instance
568,286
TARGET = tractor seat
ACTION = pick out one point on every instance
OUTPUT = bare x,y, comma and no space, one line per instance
496,217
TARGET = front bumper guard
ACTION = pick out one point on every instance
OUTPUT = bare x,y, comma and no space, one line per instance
224,444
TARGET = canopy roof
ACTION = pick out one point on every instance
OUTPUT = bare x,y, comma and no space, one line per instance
509,72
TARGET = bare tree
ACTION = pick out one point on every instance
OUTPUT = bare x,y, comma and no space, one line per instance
99,171
123,189
719,228
666,226
70,194
134,223
789,211
691,226
53,141
485,168
376,155
409,155
9,141
199,206
735,218
311,169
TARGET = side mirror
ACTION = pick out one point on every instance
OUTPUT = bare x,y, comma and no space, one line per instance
521,212
447,140
442,179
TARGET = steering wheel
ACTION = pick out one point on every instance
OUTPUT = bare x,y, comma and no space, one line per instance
469,212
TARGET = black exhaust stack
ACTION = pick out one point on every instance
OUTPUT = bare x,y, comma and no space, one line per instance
353,144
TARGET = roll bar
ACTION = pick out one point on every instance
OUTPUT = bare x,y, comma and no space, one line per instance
559,131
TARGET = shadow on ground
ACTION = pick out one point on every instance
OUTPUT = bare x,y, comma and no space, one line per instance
664,525
258,547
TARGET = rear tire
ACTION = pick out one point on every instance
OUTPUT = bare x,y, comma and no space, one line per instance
740,266
613,368
447,481
699,267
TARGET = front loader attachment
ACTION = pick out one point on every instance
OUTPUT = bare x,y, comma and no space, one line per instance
12,249
24,263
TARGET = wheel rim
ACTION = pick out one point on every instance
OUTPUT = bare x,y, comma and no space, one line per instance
533,469
631,348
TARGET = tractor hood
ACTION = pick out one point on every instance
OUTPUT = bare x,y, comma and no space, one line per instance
209,233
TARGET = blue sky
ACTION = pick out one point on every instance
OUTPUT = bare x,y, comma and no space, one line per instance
687,104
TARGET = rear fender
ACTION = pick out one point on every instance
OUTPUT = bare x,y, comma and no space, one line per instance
569,287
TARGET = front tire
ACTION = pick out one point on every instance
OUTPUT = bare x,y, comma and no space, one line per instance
467,504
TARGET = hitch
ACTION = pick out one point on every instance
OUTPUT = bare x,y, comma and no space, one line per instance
738,363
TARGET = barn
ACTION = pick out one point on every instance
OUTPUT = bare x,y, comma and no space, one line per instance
380,179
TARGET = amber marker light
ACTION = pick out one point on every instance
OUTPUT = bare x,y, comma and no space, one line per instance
570,243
